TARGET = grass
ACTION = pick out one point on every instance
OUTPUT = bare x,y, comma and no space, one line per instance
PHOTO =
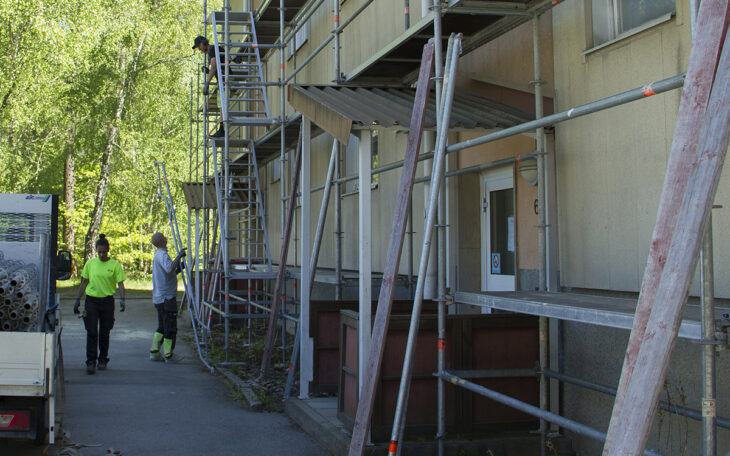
136,287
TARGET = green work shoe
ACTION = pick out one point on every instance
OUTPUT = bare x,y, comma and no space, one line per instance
155,356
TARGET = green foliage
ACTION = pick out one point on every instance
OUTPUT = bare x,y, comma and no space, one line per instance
65,64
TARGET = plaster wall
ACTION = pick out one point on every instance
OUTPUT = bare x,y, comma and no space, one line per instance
611,165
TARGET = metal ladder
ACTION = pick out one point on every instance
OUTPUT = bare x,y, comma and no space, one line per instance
242,94
193,306
244,223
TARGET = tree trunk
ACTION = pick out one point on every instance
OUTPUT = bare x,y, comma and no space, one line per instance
69,237
101,188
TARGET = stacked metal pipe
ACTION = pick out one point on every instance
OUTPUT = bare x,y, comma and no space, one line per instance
19,301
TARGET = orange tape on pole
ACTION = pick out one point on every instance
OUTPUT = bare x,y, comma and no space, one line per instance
393,448
647,91
337,18
442,344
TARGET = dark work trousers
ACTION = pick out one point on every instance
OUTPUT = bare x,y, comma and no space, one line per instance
99,320
167,319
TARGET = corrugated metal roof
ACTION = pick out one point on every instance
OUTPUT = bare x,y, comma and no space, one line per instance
392,107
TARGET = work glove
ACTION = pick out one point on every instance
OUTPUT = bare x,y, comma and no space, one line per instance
182,253
206,91
122,305
204,69
77,304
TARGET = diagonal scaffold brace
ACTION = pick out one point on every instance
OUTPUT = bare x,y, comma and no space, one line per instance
281,273
395,247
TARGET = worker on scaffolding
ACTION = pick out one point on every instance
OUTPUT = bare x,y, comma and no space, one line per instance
201,43
164,297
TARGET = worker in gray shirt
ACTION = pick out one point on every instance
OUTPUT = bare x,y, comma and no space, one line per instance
164,297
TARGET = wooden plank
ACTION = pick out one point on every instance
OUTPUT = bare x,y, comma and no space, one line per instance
326,117
709,33
630,430
395,247
276,299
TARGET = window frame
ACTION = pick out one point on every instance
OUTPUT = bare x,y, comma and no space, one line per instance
616,18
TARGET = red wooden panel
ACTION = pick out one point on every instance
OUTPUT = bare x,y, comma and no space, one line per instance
350,402
504,348
486,411
351,348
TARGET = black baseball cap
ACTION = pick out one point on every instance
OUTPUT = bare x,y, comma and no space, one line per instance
198,39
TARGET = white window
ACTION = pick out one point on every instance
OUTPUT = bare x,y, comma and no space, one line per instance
301,37
613,18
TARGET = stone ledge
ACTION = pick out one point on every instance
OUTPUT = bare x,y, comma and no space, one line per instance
331,437
249,397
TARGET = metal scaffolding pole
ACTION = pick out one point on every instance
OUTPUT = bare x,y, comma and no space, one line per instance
709,407
638,93
540,147
338,227
671,408
441,240
314,258
366,397
225,229
327,40
337,40
448,92
563,422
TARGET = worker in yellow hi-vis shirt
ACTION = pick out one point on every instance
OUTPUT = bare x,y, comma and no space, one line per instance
99,279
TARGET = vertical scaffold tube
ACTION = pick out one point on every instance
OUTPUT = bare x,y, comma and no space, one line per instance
437,174
441,270
540,146
709,408
337,40
226,175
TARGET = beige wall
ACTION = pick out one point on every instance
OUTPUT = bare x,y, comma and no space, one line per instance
375,28
392,146
611,165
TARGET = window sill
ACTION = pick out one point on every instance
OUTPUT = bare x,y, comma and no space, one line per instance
629,33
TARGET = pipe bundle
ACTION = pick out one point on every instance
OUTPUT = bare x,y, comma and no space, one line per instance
19,297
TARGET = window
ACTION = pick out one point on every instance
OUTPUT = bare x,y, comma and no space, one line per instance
301,37
613,18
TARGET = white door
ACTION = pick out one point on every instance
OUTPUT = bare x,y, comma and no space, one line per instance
498,230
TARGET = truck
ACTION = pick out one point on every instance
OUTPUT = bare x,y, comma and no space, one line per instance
31,355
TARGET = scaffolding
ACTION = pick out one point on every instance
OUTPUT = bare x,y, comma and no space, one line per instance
227,168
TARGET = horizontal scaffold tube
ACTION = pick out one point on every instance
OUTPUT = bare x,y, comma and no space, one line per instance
329,38
563,422
654,88
678,409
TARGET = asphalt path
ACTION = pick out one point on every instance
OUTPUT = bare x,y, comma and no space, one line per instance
139,407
